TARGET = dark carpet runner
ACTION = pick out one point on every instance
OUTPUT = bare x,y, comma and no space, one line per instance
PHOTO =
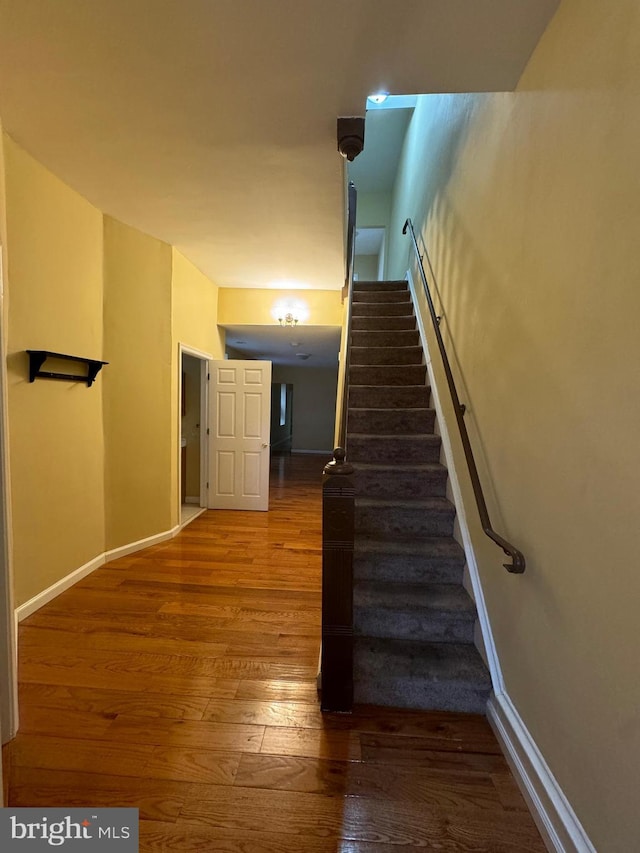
414,621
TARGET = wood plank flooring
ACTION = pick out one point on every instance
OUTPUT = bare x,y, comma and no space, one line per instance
181,680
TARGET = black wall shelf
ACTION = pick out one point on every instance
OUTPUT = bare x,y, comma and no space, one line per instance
37,358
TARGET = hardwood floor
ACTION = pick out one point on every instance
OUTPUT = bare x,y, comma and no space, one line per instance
181,680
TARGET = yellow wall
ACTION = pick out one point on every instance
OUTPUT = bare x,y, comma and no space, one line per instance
138,388
195,308
194,312
248,306
94,468
54,264
530,206
339,440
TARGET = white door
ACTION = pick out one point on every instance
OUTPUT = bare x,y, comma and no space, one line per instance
240,421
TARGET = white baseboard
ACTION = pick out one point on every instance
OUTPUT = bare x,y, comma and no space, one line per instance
72,578
125,550
191,518
56,588
559,826
192,500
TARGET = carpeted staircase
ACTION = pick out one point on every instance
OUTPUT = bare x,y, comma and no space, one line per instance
414,621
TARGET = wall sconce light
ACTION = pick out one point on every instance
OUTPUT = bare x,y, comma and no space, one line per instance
290,312
288,320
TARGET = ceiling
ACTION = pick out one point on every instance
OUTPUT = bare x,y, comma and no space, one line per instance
211,123
287,346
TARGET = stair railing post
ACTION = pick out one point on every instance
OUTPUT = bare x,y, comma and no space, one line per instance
338,504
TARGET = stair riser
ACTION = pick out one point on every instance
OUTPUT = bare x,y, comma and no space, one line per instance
400,338
385,296
391,421
386,355
394,397
410,374
382,309
383,324
369,286
403,521
402,625
401,485
405,569
387,450
420,694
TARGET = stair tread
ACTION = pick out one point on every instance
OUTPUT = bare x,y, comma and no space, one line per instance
391,659
388,387
394,436
395,410
449,598
386,467
420,503
391,347
429,546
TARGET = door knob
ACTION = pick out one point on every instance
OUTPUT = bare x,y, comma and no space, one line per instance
265,445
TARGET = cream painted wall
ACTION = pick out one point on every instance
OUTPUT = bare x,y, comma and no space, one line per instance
314,402
138,389
366,267
373,210
249,307
54,265
530,206
194,324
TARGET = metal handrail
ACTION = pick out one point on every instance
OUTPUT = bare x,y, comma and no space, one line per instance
348,295
518,564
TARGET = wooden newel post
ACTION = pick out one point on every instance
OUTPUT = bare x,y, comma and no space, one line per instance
338,500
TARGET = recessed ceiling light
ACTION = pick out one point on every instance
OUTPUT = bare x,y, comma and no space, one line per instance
303,355
378,97
294,343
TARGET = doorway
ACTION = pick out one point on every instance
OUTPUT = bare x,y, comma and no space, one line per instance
370,254
281,418
240,404
192,435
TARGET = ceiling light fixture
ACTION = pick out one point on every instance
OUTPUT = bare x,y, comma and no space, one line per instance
378,97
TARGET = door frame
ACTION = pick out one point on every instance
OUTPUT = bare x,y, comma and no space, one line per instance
9,631
204,358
